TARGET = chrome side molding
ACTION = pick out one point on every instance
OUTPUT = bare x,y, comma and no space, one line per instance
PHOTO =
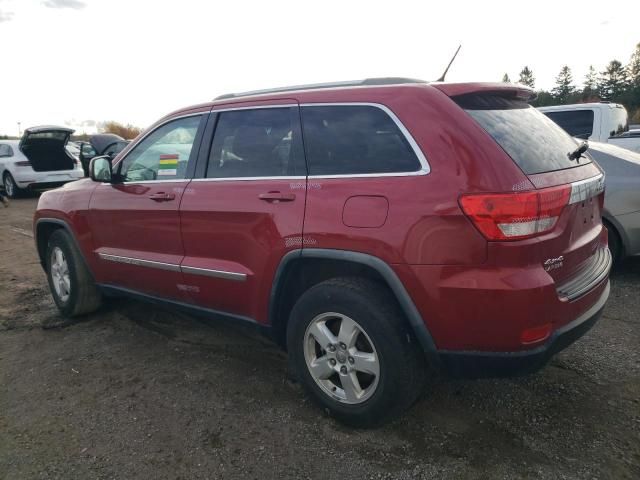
172,267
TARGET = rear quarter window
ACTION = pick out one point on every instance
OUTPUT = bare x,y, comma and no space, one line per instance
355,139
535,142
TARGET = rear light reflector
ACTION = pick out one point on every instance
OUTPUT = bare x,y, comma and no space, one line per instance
516,215
23,164
536,334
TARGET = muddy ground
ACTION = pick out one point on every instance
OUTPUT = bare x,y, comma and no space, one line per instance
136,391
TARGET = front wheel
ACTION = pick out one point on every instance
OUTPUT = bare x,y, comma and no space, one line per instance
350,348
72,287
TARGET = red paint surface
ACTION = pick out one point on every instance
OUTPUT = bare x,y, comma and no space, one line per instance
472,294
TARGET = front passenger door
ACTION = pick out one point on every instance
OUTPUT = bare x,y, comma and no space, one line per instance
135,221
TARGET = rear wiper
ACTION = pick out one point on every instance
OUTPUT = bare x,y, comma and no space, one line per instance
578,152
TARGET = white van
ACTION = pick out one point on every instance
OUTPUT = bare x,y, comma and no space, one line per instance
602,122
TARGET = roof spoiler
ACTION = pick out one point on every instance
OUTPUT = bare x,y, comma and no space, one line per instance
518,91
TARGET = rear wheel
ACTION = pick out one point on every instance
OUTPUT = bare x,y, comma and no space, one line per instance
12,190
350,348
72,287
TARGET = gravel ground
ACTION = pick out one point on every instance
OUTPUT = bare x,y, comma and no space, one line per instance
136,391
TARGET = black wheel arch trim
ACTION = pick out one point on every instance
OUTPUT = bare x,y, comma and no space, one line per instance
386,272
67,227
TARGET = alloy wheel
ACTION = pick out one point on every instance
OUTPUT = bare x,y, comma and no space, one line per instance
60,274
341,358
9,186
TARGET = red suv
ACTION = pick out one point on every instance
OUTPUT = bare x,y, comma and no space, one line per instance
377,230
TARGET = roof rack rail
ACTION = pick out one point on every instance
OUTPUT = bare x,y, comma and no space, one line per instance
315,86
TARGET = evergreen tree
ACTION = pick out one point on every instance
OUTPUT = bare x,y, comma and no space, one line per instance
505,78
527,78
633,69
633,78
590,89
564,88
612,82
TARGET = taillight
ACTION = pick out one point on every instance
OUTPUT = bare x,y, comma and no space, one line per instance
516,215
23,164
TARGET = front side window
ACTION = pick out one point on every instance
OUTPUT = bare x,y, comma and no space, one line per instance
256,143
577,123
163,154
355,139
619,120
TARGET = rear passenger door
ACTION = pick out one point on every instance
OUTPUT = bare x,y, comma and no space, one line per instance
246,210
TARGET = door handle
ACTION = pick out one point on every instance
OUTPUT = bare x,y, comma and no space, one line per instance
162,197
277,197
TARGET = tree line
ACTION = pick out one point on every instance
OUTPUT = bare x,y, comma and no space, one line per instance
128,131
616,83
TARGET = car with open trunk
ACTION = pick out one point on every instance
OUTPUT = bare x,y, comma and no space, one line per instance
38,161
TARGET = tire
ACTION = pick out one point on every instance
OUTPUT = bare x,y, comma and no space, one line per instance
615,245
380,334
11,189
70,282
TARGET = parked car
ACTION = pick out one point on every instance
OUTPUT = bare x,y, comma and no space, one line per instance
38,161
73,148
100,144
414,226
621,214
602,122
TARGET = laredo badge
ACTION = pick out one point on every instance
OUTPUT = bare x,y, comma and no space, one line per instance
168,164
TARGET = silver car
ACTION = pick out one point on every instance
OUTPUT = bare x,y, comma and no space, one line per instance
622,197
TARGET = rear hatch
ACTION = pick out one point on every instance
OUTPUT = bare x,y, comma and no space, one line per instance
557,213
45,149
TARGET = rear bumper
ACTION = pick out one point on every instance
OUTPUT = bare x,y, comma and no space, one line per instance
44,180
503,364
37,186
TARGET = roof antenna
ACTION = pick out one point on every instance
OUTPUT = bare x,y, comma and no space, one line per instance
441,79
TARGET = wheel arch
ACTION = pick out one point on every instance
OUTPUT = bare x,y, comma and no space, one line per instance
299,270
44,228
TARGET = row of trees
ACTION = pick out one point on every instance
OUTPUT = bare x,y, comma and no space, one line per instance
128,131
616,83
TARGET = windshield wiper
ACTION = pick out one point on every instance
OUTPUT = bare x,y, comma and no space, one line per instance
578,152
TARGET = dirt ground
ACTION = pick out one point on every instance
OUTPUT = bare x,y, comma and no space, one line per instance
136,391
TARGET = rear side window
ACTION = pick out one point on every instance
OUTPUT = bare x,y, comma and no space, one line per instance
355,139
536,143
577,123
257,143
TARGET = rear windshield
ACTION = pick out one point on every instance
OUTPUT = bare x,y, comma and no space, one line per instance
50,134
531,139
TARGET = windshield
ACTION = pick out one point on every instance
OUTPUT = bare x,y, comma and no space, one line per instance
531,139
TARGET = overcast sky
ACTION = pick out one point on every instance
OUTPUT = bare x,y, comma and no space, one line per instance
78,61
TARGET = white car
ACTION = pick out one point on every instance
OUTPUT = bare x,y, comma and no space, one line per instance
38,161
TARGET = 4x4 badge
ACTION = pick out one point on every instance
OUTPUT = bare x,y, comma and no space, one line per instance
553,263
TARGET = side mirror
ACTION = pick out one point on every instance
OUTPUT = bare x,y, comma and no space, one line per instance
100,169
